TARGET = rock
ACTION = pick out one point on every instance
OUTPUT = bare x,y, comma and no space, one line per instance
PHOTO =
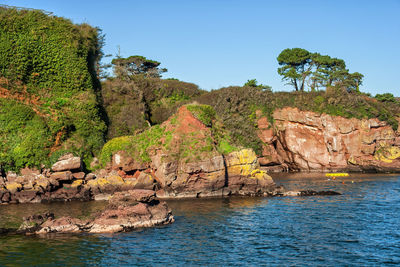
94,163
126,211
33,223
78,175
90,176
61,176
304,140
77,183
66,157
130,210
63,225
29,172
69,192
28,196
126,163
44,183
138,195
11,176
13,187
144,181
5,195
67,163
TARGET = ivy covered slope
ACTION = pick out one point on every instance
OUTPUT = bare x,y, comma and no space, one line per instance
192,134
48,89
236,106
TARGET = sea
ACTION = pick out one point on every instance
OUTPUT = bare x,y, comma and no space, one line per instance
361,227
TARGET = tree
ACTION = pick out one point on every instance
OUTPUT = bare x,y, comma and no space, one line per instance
137,65
352,81
300,66
296,66
327,70
254,83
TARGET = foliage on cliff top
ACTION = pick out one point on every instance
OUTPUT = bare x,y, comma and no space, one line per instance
175,139
132,105
47,65
236,107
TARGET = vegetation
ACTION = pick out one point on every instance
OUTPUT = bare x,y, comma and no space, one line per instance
386,97
300,66
236,107
177,145
48,68
125,68
204,113
134,101
254,83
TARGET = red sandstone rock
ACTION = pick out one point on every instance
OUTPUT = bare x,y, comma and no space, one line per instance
78,175
308,141
126,211
61,176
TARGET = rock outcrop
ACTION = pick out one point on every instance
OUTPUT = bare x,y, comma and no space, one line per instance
65,182
126,211
303,140
187,163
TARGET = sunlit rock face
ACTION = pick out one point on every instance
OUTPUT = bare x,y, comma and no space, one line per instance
304,140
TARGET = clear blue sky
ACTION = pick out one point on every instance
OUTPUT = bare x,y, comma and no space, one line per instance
220,43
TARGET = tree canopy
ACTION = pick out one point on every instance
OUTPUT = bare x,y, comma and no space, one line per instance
254,83
300,67
137,65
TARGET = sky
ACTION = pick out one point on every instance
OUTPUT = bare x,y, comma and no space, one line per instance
218,43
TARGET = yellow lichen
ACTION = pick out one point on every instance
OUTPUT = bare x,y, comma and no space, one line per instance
258,174
352,160
13,187
388,154
77,183
247,156
115,180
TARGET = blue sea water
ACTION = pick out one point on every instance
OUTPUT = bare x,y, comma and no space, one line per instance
361,227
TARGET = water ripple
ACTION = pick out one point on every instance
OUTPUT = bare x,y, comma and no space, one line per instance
360,227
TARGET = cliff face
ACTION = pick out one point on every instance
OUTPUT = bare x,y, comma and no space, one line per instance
303,140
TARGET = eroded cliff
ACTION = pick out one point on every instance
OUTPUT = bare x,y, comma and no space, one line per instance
304,140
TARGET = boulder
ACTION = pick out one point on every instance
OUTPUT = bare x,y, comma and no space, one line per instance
67,163
61,176
126,211
78,175
121,161
13,187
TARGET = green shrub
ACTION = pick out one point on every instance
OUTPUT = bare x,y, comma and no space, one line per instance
204,113
386,97
23,137
121,143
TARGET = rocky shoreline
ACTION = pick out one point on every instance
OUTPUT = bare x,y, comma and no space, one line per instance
177,166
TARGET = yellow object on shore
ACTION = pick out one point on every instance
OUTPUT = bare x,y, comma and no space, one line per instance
337,174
